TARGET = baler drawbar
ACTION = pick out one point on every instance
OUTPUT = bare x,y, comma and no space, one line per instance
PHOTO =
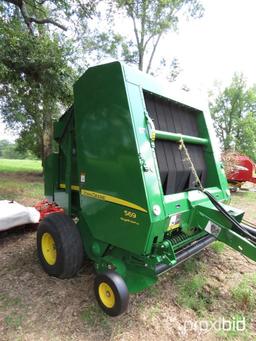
141,187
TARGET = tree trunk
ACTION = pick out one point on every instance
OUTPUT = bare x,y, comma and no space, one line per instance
141,57
47,135
153,52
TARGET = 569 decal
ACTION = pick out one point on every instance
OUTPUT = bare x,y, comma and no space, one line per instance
130,214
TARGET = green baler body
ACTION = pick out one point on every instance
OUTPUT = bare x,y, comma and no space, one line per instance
123,179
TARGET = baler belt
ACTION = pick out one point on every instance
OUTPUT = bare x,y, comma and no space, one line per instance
171,121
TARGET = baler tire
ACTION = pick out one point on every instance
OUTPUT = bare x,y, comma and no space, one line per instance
64,255
111,293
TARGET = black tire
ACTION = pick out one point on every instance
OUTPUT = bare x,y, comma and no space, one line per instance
66,254
116,300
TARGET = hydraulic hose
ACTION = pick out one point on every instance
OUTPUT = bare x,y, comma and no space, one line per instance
249,223
250,229
228,216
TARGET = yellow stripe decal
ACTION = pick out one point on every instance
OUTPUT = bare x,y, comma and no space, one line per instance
73,187
105,197
109,198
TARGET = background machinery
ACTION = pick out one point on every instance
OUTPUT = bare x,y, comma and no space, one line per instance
243,170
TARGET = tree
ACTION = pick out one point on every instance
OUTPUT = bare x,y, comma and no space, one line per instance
44,12
149,22
246,140
24,8
8,150
35,83
35,74
234,116
3,146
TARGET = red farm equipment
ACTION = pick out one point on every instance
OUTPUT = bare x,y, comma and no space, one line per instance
244,170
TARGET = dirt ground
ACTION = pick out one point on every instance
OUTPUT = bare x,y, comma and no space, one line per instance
34,306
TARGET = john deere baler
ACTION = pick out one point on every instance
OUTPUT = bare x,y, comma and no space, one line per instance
140,185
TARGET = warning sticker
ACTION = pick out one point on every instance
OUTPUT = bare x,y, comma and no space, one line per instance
82,177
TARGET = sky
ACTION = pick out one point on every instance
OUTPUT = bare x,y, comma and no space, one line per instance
217,45
211,48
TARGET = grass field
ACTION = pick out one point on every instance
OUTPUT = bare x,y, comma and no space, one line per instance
20,166
21,180
215,284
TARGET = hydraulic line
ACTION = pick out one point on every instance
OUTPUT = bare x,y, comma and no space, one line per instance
229,217
249,223
245,231
250,229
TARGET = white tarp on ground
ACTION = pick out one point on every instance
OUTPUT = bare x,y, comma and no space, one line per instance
13,214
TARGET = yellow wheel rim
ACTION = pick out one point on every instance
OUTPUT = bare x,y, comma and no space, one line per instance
106,294
49,248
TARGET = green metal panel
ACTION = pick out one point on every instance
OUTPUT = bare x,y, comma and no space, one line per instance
152,183
108,156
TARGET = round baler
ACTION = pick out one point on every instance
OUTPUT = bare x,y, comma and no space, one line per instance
139,182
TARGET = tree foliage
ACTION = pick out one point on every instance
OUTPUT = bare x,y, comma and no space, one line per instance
9,150
149,22
234,114
35,83
35,73
38,65
49,12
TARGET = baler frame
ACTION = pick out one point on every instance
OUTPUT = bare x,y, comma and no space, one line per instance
132,220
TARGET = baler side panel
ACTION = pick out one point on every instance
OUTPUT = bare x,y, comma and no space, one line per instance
67,174
107,154
151,179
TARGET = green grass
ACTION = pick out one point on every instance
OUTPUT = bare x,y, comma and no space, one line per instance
11,307
218,247
236,198
192,265
191,293
93,316
192,288
20,166
7,301
13,320
21,180
246,202
244,294
21,190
